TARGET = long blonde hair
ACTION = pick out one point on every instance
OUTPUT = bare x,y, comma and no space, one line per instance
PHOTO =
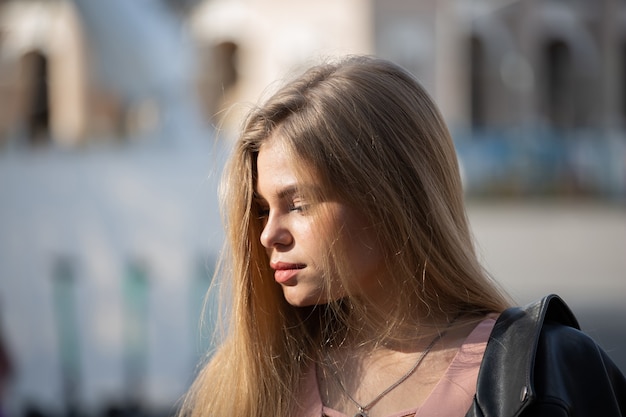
376,141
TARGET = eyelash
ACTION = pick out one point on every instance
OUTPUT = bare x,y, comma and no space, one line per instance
296,207
264,212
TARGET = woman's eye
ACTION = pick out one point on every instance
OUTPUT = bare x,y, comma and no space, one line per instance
298,206
263,213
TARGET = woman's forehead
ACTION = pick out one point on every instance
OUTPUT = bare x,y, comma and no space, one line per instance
277,149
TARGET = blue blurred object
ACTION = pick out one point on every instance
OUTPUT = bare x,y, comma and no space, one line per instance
521,163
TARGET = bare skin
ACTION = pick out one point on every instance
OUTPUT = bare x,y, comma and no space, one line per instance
365,374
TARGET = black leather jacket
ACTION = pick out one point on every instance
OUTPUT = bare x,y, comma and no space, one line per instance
538,363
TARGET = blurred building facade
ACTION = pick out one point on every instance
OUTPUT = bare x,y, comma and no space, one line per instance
546,63
109,220
537,86
534,92
491,65
57,85
48,91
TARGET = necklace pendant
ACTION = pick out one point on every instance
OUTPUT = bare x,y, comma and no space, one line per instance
361,414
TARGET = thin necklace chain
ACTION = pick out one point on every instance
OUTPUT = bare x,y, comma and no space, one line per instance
363,409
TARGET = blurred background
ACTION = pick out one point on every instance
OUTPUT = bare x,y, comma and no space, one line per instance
116,116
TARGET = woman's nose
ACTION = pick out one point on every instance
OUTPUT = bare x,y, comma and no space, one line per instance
275,233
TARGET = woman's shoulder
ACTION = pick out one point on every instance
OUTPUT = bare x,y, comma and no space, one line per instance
546,334
531,317
537,355
518,330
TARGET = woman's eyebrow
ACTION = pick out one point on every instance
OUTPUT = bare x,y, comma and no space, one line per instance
299,190
286,192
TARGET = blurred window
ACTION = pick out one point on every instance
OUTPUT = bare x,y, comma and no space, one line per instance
219,78
37,108
477,82
226,61
559,99
622,71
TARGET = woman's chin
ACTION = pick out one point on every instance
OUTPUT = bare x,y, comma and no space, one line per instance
298,298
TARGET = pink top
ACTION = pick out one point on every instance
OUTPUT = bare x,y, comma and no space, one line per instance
453,394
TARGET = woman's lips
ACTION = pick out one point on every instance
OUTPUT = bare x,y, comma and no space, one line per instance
284,271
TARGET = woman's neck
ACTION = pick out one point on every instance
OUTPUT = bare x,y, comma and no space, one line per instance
367,332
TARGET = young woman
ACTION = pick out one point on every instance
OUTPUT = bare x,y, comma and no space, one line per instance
355,289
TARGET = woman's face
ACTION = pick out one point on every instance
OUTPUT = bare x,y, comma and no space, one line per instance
298,234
